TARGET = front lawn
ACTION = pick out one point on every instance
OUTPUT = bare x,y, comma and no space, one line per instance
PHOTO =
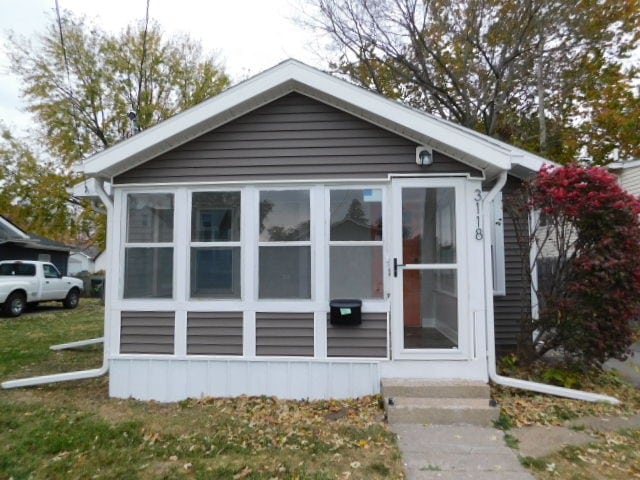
73,430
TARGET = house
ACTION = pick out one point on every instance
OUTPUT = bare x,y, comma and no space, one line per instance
83,260
233,225
628,173
16,244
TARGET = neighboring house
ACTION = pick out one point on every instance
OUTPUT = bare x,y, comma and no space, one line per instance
232,226
83,261
628,173
16,244
100,262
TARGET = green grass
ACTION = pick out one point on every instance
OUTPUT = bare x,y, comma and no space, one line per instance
73,430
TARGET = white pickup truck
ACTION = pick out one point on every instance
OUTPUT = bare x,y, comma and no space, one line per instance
24,282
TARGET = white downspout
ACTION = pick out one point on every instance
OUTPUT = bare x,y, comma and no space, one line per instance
83,374
489,318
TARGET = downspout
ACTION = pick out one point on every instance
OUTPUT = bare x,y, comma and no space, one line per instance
489,319
83,374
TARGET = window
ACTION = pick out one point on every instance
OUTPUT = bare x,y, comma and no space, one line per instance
148,270
497,246
18,269
50,271
355,243
284,244
215,245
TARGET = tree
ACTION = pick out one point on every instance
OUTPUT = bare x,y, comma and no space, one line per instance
80,90
485,64
587,243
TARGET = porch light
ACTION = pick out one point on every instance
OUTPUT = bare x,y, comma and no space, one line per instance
424,156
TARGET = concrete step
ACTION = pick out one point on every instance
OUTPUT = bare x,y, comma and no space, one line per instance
441,411
417,388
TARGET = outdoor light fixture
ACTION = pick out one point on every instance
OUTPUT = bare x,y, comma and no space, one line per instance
424,156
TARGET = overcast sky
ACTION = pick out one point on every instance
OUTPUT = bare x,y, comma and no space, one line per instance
250,35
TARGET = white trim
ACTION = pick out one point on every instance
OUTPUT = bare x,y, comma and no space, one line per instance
497,244
466,145
249,334
180,333
534,256
465,327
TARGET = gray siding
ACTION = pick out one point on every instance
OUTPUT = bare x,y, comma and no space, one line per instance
510,308
13,251
214,333
629,179
284,334
147,332
366,340
294,137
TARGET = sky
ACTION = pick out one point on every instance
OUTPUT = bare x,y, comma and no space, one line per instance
248,35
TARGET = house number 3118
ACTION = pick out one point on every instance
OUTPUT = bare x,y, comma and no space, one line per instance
478,199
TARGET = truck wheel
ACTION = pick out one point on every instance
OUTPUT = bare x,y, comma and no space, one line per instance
73,299
14,305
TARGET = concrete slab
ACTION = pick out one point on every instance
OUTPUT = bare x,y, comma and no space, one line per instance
539,441
457,452
606,424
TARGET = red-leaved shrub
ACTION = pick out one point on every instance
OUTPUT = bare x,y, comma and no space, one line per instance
588,236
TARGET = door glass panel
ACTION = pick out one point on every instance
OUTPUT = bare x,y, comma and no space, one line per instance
428,225
430,309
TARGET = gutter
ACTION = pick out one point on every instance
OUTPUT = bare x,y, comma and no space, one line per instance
490,327
82,374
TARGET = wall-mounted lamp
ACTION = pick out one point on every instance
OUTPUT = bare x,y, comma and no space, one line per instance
424,156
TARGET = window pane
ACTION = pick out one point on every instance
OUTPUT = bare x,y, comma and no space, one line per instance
215,217
428,225
150,217
215,272
285,272
148,273
356,215
284,215
356,272
430,306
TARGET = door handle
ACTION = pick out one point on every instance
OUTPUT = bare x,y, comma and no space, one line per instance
395,267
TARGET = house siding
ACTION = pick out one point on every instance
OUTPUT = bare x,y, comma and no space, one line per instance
284,334
214,333
629,179
368,339
510,308
10,251
147,332
294,137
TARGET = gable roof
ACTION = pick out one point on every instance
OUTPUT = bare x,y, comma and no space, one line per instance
10,233
466,145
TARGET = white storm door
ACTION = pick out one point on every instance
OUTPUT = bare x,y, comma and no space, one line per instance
428,271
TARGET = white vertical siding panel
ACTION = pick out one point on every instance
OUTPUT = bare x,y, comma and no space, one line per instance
197,384
299,380
159,379
258,378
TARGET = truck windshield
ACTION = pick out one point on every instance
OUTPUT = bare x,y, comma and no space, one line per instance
19,269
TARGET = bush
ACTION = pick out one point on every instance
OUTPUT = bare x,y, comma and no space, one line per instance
589,238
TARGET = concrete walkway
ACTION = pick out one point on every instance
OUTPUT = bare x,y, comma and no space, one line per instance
457,452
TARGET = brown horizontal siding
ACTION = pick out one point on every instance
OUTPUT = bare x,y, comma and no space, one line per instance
368,339
510,308
147,332
284,334
214,333
294,137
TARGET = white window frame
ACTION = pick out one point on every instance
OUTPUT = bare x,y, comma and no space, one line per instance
126,244
313,198
367,302
194,244
497,246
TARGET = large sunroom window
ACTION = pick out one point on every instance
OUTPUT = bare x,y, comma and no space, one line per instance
215,245
284,244
148,269
355,243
